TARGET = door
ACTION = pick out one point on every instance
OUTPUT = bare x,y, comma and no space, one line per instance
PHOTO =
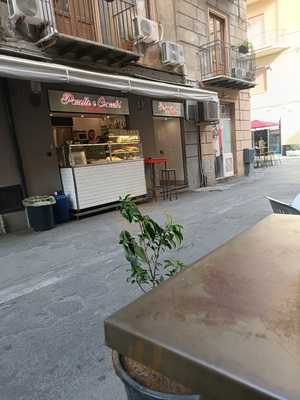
228,166
169,144
75,18
217,38
224,164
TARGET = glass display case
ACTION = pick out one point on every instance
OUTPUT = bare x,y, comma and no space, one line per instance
121,145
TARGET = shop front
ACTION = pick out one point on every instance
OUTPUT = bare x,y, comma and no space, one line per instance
100,158
168,136
266,136
88,133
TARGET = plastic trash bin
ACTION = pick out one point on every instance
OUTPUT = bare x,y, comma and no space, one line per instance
40,212
61,208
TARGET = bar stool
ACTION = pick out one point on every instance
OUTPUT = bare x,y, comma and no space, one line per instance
154,162
168,181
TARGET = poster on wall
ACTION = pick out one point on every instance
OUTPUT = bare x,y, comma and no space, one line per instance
83,103
167,109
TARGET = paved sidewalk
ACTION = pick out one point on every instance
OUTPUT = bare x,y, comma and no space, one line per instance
57,287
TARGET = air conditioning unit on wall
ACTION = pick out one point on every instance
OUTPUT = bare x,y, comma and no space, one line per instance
172,53
145,30
209,111
30,11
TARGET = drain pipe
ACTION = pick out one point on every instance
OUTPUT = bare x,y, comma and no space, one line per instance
13,134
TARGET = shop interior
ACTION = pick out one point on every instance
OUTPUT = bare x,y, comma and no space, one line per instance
271,140
95,139
168,143
85,140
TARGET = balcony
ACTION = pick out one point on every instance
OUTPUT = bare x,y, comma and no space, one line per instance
269,42
93,31
223,65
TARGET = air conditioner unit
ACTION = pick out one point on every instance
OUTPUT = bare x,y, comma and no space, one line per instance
145,30
209,111
30,11
191,110
172,53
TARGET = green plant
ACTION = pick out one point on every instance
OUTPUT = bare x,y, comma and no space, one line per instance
245,47
144,250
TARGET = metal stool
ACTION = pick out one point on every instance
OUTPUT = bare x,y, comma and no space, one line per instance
168,183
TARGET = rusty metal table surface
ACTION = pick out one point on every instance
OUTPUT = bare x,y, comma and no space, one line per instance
229,326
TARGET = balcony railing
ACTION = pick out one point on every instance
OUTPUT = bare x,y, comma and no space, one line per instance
91,24
225,65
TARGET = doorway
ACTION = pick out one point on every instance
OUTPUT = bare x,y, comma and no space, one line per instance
217,32
168,142
224,165
75,18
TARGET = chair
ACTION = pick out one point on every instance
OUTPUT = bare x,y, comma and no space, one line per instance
279,207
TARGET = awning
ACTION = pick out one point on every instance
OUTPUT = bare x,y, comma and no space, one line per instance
256,124
19,68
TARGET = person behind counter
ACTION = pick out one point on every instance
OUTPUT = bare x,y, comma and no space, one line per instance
92,137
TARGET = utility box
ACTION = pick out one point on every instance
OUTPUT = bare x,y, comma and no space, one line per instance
248,160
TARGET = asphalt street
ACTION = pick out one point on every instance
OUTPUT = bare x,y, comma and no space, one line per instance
57,287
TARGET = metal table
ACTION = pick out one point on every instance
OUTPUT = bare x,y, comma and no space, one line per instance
229,326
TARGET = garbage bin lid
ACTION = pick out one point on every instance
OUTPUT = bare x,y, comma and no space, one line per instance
39,201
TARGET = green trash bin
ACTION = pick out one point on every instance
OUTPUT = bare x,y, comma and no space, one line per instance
40,212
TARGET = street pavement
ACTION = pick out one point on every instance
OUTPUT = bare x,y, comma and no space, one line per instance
57,287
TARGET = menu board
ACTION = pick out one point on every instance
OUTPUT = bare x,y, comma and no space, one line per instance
167,109
83,103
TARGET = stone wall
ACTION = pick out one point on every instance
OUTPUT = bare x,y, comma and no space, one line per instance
192,148
241,133
192,27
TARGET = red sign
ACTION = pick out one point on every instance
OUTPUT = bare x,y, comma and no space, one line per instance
86,103
168,109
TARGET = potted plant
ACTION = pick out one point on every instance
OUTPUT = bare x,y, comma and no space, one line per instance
245,47
149,266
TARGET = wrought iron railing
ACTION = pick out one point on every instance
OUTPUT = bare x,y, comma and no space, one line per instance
102,21
222,59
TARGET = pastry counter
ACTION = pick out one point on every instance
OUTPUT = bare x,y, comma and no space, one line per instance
94,175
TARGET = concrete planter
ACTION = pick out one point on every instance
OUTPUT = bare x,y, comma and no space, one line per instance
135,391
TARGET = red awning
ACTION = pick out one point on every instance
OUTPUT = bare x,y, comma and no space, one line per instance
256,124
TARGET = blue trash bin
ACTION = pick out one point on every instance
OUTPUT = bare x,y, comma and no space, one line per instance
61,208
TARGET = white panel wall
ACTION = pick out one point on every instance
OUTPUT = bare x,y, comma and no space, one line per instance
102,184
69,186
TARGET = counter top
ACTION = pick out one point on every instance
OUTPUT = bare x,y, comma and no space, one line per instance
228,327
103,163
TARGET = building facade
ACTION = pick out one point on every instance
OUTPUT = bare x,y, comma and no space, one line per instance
149,71
274,30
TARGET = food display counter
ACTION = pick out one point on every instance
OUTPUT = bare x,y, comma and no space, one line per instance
95,175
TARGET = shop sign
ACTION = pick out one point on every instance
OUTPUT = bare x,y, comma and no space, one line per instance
167,109
73,102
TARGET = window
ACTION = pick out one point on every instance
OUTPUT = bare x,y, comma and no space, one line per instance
261,82
216,28
143,8
256,31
